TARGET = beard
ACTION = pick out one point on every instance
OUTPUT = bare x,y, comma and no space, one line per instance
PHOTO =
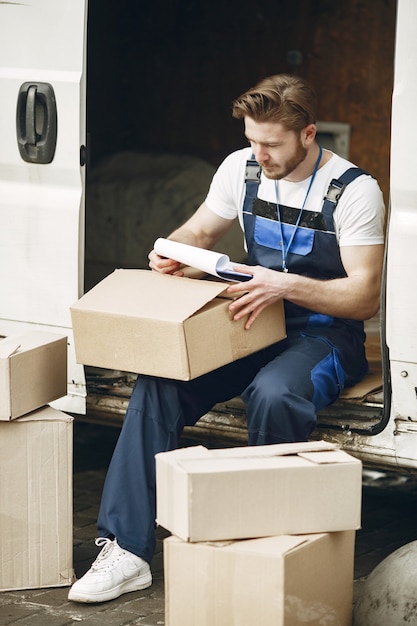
276,172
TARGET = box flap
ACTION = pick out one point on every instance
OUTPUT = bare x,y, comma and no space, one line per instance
278,544
278,449
316,448
192,452
211,466
148,294
200,460
27,341
33,339
282,544
327,456
5,400
8,347
45,414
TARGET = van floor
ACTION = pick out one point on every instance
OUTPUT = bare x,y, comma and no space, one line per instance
373,381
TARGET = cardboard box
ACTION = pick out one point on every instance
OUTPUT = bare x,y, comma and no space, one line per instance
274,581
33,372
145,322
210,495
36,501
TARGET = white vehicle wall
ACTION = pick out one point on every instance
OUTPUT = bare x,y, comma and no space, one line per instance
42,47
401,305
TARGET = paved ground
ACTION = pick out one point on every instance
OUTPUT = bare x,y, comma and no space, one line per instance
388,522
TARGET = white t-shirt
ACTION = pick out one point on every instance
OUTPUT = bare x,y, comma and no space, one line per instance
359,216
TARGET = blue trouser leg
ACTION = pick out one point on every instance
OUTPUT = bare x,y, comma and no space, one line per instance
282,386
283,398
127,508
157,413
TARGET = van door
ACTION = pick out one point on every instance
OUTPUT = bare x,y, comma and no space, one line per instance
42,170
402,238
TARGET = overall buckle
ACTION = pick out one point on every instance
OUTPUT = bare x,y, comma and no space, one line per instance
252,171
335,191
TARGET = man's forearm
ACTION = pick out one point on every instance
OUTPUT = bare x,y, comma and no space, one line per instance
351,297
185,235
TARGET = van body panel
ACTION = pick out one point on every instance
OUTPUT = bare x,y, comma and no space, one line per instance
401,296
42,203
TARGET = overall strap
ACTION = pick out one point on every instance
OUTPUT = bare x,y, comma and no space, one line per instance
334,193
252,179
337,187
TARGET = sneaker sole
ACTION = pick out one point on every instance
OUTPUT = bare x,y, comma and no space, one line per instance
137,584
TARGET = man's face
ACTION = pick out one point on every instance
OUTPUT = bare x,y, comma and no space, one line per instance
278,151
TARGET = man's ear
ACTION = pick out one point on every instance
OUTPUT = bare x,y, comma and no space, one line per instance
308,134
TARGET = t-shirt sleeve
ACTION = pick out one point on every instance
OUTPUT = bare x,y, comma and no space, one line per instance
360,214
225,194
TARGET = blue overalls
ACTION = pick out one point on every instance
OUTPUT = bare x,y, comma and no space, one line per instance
314,253
283,386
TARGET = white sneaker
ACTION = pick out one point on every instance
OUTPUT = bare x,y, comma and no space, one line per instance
114,572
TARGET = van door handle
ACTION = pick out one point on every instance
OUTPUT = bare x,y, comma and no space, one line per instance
30,121
36,122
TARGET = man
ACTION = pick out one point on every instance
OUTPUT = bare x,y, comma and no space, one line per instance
322,257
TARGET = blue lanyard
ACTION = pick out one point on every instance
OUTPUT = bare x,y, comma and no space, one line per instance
285,249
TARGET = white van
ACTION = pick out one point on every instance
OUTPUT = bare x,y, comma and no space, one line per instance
42,229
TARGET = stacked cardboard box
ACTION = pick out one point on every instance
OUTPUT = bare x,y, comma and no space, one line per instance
35,463
263,534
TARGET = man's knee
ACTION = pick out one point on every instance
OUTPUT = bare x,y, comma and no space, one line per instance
278,414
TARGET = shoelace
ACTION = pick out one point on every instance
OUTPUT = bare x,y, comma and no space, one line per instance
108,556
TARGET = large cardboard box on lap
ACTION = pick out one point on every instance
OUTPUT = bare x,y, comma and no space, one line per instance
236,493
169,326
274,581
36,501
33,372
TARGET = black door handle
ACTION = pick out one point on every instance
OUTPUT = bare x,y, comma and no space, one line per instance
36,122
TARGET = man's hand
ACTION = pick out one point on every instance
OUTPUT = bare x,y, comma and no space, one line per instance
265,288
203,230
355,296
164,266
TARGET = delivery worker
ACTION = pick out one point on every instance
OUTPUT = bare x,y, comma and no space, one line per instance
313,230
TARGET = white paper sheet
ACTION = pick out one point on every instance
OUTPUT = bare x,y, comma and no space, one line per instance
214,263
